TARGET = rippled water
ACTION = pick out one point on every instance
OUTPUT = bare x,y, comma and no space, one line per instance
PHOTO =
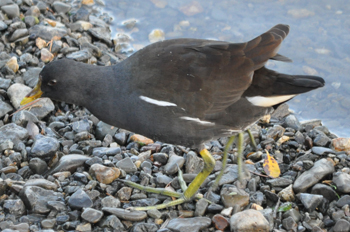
318,42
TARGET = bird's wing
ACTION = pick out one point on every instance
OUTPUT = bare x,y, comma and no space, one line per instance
203,77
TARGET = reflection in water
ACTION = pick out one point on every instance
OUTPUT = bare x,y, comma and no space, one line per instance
318,41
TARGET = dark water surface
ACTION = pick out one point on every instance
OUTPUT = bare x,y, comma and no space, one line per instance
318,43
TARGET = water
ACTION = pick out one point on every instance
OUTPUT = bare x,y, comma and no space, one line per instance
318,42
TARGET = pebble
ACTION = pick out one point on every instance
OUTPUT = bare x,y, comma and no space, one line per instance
80,200
194,224
92,215
309,178
342,180
249,220
125,214
310,201
174,162
103,174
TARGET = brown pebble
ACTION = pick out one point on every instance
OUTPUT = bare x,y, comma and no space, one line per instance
220,222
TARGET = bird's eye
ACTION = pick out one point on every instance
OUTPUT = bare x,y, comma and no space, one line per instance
52,82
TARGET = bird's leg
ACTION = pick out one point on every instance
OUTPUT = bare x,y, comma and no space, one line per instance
252,139
224,162
240,140
190,191
240,154
209,164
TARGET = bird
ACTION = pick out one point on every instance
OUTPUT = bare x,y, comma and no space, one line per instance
181,91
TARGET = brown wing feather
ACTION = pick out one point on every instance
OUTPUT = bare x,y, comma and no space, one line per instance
210,75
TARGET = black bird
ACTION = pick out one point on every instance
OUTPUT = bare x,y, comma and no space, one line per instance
181,91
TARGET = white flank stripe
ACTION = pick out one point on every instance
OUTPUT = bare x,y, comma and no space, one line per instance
198,120
157,102
268,101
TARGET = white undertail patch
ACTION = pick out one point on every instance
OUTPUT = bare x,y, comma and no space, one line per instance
198,121
157,102
269,101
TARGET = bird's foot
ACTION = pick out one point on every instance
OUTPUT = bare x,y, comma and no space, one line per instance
189,192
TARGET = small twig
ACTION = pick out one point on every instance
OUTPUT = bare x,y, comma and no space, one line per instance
29,105
276,208
258,174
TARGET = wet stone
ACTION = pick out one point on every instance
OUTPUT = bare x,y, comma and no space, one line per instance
344,200
47,32
4,108
160,157
292,122
275,132
257,198
16,93
103,174
142,226
201,207
220,222
127,165
82,55
189,224
48,223
230,175
126,214
80,200
154,213
102,129
310,201
19,33
6,145
102,151
4,83
3,26
249,220
279,182
69,163
61,7
342,180
57,206
21,118
326,191
13,133
321,140
29,21
240,198
289,224
341,226
44,147
111,222
309,178
42,108
321,150
194,164
37,165
174,162
36,198
295,214
92,215
15,207
101,33
11,10
124,193
121,138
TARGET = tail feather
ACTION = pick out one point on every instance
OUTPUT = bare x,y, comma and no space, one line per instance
270,88
265,46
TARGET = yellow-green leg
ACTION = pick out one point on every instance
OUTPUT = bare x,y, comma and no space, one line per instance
190,191
240,140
